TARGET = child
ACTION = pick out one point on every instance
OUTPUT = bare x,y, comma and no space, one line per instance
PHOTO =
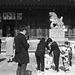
70,56
48,60
9,48
65,57
66,61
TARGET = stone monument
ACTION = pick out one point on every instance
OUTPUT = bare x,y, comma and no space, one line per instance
57,31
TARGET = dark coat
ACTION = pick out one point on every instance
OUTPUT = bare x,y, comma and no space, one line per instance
70,53
40,51
55,48
21,49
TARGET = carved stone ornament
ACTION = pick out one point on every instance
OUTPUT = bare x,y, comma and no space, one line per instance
55,21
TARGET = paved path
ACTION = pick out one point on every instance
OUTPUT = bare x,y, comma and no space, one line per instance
10,68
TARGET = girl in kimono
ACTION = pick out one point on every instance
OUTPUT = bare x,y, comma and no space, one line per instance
65,58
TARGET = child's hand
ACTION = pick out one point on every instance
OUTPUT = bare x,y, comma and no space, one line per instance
46,55
48,51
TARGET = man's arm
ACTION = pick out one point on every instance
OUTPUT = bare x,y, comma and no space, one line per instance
51,50
26,44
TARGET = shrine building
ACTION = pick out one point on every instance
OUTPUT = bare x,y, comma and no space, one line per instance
35,15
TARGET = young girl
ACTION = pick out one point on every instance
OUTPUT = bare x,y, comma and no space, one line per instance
70,56
48,60
65,58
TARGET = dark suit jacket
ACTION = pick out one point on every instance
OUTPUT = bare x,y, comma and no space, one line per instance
55,48
21,49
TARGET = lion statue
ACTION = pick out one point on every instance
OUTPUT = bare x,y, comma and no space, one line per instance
55,21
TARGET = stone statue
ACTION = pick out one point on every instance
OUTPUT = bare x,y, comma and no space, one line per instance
55,21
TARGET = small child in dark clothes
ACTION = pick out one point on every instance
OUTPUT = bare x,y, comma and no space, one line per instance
65,54
70,56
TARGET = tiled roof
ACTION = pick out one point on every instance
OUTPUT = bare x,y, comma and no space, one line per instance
37,2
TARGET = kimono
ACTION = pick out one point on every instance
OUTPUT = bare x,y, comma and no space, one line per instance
48,61
65,57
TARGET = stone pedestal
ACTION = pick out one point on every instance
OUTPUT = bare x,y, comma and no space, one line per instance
58,35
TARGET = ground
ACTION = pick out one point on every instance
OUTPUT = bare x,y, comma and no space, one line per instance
10,68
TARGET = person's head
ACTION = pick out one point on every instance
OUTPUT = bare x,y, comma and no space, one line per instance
42,39
22,30
66,43
49,40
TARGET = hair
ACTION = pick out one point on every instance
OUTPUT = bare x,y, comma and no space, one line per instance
42,39
49,40
21,28
66,42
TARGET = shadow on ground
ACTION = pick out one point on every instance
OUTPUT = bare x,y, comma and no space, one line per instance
53,67
2,59
28,72
62,68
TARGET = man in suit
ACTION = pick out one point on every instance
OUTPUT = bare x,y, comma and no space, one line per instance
56,52
21,51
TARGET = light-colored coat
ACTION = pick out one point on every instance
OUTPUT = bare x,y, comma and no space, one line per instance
9,46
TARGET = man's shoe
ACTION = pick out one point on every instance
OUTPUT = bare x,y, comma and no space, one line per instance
56,71
42,72
8,61
39,71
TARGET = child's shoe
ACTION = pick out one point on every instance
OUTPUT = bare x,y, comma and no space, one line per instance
67,70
